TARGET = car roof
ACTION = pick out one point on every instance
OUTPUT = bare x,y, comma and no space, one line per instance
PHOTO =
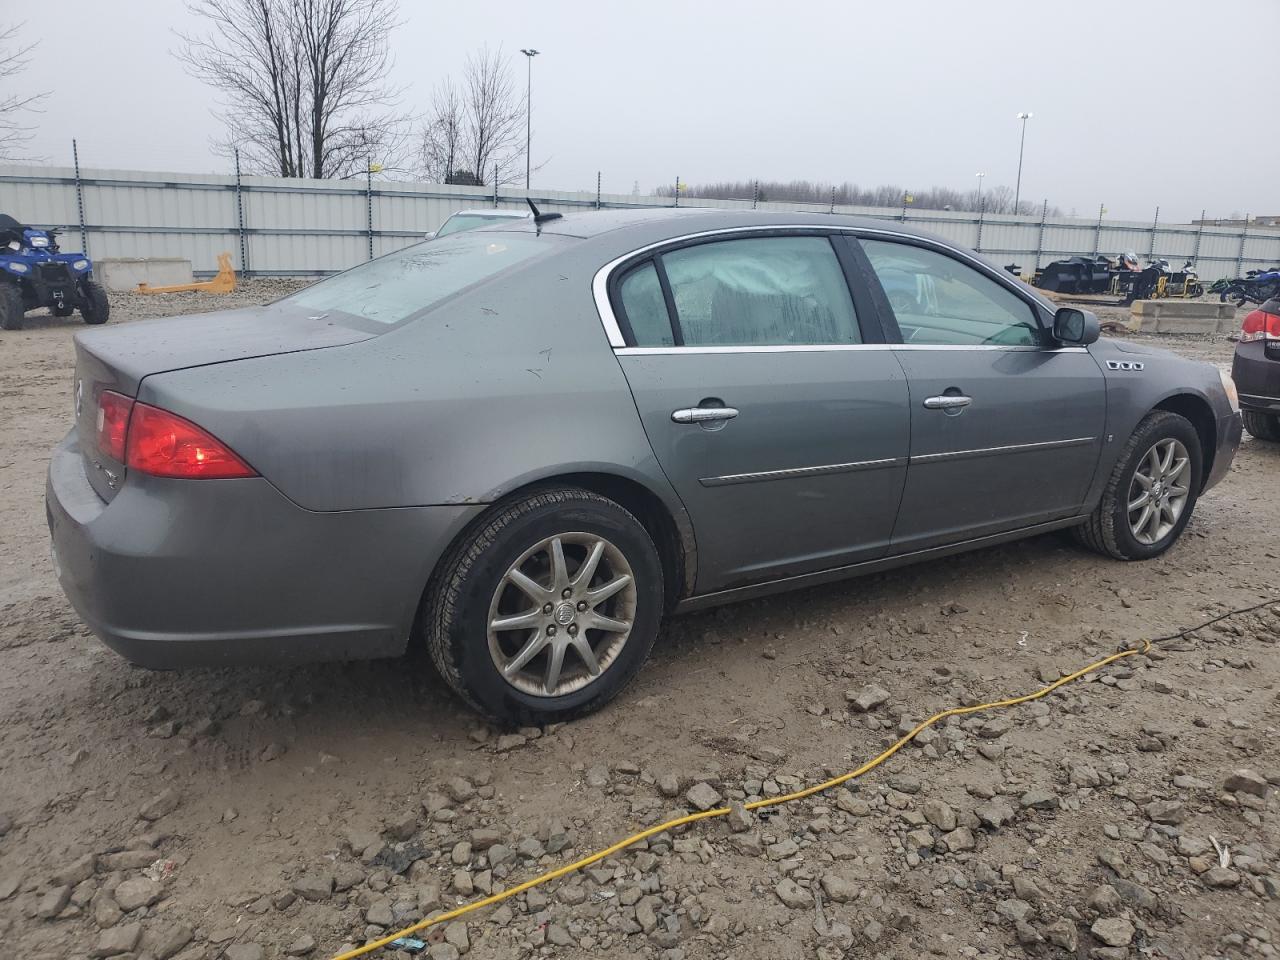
683,220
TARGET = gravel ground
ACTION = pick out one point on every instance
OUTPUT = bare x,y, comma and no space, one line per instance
245,814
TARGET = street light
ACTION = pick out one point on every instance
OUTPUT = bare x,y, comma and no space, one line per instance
979,176
528,113
1017,190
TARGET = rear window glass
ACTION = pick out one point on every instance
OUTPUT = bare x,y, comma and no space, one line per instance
401,284
460,222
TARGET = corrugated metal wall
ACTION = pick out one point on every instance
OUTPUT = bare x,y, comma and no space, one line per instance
277,226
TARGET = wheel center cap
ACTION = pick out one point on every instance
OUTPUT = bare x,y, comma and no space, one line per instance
1157,488
564,614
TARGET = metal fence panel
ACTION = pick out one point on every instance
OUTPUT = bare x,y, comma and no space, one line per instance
320,226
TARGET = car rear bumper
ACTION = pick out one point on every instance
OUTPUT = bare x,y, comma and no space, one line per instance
175,573
1257,376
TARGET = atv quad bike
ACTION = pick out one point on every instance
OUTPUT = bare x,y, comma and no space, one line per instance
33,273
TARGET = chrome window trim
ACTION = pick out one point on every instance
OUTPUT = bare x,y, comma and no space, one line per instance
836,347
820,470
992,451
600,282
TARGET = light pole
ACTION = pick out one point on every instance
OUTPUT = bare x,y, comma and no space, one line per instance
1017,190
528,113
979,176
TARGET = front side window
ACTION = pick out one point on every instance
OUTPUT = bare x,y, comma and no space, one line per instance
761,291
939,300
395,287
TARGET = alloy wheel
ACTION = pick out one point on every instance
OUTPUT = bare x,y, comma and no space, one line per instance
1159,491
561,614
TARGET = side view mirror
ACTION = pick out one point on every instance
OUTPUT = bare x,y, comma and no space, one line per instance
1076,327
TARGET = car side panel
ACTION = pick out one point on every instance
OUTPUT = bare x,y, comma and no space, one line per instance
1133,393
507,384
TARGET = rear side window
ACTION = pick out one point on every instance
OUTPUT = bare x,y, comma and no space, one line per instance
401,284
939,300
644,308
761,291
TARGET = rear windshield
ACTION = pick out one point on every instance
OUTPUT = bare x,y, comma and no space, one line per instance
469,221
401,284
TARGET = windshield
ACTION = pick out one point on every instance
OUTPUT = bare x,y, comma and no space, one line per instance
468,221
401,284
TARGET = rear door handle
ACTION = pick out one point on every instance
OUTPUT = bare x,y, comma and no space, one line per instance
949,402
703,414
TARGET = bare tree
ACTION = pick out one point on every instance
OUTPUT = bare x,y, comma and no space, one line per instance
303,82
997,199
442,140
14,131
475,130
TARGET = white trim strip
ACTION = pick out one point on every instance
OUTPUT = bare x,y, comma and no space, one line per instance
801,472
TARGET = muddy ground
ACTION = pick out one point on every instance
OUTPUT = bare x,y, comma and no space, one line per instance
258,813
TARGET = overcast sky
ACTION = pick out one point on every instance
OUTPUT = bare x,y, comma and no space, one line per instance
1135,104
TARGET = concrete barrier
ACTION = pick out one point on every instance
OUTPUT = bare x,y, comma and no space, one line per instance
127,274
1185,316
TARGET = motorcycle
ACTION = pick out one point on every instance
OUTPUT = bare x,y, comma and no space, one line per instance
1256,286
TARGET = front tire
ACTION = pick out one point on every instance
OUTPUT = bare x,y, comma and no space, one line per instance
548,609
1263,426
1151,492
11,312
95,308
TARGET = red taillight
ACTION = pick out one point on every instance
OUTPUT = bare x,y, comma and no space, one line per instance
1260,325
163,444
113,423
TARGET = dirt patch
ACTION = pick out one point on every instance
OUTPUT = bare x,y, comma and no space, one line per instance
247,813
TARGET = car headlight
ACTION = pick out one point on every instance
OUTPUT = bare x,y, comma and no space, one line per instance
17,267
81,265
1229,385
39,241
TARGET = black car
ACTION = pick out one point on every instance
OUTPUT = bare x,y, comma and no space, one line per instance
1256,370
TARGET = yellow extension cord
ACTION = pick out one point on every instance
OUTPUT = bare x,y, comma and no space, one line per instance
775,801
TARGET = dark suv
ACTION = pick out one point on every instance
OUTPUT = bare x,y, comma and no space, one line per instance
1256,371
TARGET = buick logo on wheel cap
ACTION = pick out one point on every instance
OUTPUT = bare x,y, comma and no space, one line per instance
564,614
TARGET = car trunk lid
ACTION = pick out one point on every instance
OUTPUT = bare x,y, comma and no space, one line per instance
119,358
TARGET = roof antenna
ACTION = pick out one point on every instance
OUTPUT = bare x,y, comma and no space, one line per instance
538,216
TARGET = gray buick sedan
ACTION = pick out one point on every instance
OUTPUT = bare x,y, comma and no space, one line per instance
526,444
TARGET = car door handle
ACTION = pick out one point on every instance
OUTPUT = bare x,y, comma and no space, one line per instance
703,414
948,402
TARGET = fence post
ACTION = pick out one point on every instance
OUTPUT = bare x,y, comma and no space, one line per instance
244,249
677,190
1097,234
1044,215
1244,234
368,201
597,189
982,207
903,218
1151,254
495,187
755,195
1195,254
84,235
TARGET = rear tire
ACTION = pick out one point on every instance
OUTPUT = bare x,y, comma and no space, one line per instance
492,575
95,308
1263,426
11,312
1109,529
